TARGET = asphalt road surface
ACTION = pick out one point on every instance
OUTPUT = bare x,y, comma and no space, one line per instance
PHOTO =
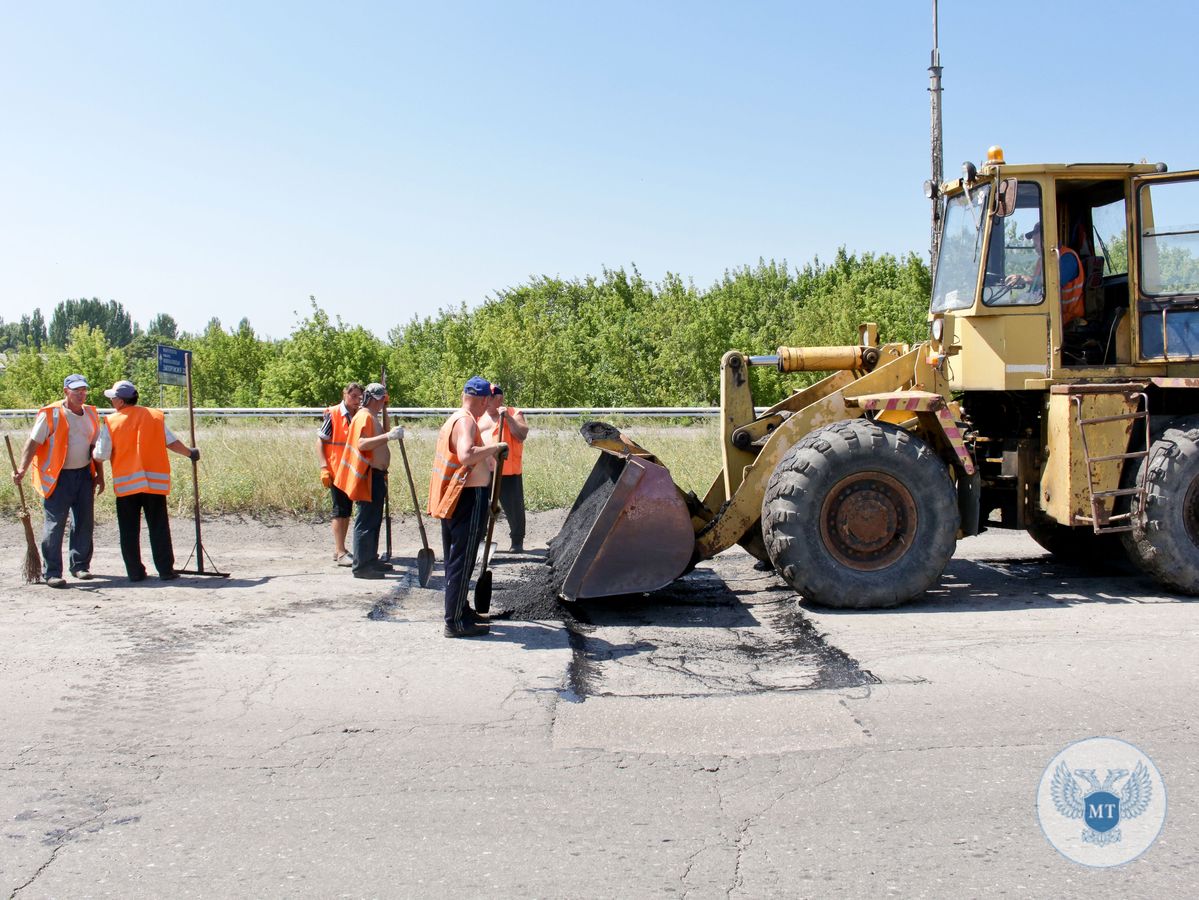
290,731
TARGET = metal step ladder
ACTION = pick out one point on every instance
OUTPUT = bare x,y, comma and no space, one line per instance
1105,520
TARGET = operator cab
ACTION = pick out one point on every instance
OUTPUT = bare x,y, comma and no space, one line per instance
1065,268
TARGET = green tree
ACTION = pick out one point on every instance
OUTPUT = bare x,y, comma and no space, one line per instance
33,379
228,367
30,331
318,359
111,318
163,326
619,340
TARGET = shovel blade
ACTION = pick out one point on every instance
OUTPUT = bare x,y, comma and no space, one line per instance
424,566
483,593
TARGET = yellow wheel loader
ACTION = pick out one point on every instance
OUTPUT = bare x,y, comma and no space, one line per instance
1058,392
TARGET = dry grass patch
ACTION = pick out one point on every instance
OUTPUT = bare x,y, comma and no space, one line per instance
272,469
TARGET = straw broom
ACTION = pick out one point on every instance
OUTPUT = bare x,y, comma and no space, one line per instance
33,560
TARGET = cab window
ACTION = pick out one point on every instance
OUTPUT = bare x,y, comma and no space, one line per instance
1169,238
1014,267
1108,225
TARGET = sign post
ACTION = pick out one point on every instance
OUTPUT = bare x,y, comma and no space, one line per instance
175,367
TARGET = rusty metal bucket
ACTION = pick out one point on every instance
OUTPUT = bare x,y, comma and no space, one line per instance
629,531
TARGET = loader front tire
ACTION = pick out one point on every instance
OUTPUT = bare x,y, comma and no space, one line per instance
1164,541
860,515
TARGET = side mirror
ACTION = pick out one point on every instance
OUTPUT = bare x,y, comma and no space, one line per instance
1005,199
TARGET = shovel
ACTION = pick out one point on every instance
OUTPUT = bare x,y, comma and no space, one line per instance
424,556
483,585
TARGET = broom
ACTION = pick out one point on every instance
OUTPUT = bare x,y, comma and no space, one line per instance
33,560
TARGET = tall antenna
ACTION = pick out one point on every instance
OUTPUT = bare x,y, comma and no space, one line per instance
934,90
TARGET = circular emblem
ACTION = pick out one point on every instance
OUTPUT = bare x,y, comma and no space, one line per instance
1101,802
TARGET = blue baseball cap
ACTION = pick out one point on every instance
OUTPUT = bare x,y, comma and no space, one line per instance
71,382
497,391
477,387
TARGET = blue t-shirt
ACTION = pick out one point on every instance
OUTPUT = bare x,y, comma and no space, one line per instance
1068,268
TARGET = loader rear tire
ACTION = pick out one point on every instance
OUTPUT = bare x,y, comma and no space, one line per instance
860,515
1164,541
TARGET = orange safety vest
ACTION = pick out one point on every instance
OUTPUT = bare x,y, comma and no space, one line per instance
449,475
353,476
1073,301
516,447
335,446
139,452
52,452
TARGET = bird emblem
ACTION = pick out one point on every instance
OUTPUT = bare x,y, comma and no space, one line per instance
1081,795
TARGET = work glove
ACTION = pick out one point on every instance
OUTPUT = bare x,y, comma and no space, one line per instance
396,434
194,454
326,477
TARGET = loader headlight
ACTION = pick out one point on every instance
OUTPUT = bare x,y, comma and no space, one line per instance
938,328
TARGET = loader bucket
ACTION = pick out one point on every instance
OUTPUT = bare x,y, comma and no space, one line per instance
628,532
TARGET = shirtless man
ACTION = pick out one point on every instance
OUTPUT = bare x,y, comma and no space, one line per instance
458,496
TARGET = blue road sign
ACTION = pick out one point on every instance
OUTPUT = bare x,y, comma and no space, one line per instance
172,365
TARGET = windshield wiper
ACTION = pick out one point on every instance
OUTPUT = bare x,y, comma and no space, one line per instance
1107,257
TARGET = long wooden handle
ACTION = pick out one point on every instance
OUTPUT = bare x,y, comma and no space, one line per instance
499,468
491,517
494,506
387,494
420,523
20,487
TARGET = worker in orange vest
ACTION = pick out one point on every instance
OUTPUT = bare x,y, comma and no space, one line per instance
362,476
458,496
61,442
136,440
1071,277
512,488
331,442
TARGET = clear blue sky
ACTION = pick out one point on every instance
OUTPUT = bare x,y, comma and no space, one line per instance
230,159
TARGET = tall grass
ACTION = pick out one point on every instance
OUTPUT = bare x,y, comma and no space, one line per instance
271,469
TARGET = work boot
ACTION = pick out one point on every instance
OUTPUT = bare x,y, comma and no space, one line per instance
517,547
55,581
83,575
168,576
369,573
468,629
382,566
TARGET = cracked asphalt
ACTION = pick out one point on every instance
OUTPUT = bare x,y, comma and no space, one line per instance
292,732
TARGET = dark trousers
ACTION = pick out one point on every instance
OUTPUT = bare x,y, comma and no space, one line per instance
158,523
512,502
73,497
460,535
368,518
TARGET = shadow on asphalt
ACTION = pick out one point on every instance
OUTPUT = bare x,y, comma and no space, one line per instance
1003,585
